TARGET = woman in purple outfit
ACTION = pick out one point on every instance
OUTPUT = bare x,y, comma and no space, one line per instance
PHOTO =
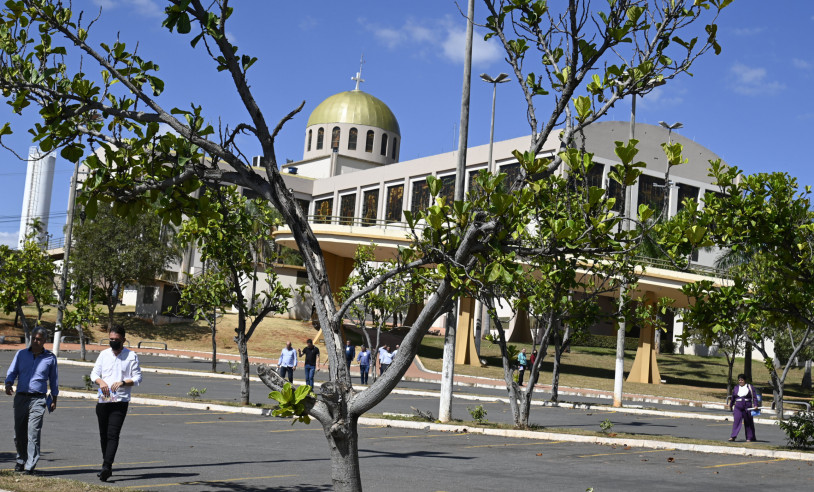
743,400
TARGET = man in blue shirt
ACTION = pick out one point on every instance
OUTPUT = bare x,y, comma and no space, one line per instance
364,364
35,369
287,362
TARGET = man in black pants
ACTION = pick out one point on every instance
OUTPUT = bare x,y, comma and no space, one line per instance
116,371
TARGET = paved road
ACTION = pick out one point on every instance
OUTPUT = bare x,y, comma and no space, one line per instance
400,403
189,450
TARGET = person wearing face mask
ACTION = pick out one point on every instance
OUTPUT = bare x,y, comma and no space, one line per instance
116,371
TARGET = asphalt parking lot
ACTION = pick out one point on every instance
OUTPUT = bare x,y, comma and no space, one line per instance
176,449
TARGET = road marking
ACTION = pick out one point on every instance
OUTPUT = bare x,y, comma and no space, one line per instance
744,463
511,444
624,451
208,481
95,465
228,421
416,437
298,430
185,414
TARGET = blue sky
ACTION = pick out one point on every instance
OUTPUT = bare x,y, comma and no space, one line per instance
751,104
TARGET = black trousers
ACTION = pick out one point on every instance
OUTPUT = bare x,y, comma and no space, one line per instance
111,418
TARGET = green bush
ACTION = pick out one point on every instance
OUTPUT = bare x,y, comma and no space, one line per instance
478,414
799,429
609,342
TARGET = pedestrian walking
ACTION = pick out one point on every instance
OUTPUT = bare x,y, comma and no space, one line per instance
34,369
522,362
385,359
350,353
364,364
116,371
287,362
310,355
744,399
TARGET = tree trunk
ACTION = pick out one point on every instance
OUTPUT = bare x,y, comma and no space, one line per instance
448,368
730,361
243,348
806,384
214,327
619,371
747,362
657,341
24,322
82,350
343,439
559,348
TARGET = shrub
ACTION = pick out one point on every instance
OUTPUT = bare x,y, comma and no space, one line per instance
799,429
602,341
478,414
195,392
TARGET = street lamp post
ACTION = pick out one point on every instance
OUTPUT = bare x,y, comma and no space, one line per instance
503,77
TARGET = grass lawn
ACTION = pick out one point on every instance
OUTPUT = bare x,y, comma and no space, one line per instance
267,341
686,376
23,483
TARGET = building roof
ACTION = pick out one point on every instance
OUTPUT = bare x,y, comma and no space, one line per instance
355,107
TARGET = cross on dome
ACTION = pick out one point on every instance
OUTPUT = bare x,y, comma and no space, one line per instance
358,77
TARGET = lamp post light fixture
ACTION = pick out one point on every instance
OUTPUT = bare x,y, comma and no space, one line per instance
501,78
670,128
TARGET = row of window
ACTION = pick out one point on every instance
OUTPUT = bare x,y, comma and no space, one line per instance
353,136
651,191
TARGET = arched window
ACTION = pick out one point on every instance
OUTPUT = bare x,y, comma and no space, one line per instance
369,141
393,148
384,144
320,138
335,137
310,134
352,134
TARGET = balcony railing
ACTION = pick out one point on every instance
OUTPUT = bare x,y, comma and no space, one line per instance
357,222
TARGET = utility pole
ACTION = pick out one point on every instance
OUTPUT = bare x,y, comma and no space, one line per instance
448,368
62,303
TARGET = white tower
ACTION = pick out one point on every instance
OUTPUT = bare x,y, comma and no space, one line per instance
39,179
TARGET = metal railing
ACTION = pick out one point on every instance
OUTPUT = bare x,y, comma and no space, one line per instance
160,345
357,222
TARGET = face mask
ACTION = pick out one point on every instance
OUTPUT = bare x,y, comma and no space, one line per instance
116,344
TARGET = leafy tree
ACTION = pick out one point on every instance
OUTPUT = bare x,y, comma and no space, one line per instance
110,251
84,312
383,305
770,220
118,114
202,297
26,273
231,242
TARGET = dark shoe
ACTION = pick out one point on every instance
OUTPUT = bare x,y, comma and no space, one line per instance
18,467
105,474
750,440
28,472
731,438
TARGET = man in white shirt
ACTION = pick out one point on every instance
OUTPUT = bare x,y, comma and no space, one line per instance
116,371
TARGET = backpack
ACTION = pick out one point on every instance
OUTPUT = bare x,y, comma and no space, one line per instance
759,399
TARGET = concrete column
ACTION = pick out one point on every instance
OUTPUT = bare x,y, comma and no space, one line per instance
465,350
645,367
